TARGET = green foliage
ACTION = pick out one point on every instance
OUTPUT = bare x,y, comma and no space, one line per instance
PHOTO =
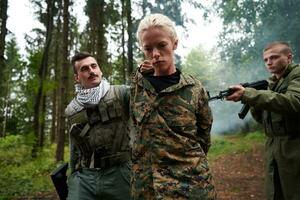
17,98
20,174
234,144
249,25
202,65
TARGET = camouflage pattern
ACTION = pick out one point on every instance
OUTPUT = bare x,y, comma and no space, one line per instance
171,140
279,110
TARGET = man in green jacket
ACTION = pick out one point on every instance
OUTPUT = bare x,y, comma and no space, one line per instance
278,108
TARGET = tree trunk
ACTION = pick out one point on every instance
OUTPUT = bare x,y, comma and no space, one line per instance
38,114
64,83
3,29
95,10
123,42
130,38
57,63
101,40
43,123
6,105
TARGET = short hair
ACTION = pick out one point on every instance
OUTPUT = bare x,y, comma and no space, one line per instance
79,56
286,47
156,20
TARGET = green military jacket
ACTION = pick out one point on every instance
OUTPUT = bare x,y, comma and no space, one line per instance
279,107
279,110
171,140
99,135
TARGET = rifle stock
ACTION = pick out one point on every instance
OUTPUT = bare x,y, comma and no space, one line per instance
59,179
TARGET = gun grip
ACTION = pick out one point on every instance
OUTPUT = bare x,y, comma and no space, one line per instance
59,179
243,112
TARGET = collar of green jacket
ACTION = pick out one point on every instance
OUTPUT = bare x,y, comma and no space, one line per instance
289,68
185,80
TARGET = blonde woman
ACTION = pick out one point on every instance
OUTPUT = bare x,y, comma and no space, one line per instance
172,122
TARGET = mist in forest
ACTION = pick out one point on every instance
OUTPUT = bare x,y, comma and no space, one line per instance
217,75
225,113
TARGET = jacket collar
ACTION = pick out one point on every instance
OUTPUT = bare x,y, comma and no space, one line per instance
185,80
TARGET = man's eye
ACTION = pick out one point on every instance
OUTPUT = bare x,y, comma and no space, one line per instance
274,57
82,69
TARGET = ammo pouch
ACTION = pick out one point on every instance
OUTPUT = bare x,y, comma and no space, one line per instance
103,112
78,132
99,132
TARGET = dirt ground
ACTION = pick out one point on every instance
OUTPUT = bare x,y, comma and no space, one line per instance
237,177
240,176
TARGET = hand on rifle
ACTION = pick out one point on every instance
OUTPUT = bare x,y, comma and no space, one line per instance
237,91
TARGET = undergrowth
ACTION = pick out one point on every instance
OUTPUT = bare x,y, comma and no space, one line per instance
236,143
21,175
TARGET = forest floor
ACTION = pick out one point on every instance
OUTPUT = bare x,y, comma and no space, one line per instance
238,176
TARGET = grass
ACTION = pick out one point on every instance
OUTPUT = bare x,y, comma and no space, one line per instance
20,174
23,176
234,144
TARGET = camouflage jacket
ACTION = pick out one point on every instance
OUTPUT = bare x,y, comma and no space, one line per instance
171,140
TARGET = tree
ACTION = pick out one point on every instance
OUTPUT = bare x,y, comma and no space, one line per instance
199,64
39,106
249,25
3,92
64,83
130,42
98,14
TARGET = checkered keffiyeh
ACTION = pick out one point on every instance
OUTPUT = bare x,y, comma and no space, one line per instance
84,97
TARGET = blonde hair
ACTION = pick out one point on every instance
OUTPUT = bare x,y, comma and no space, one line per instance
286,49
156,21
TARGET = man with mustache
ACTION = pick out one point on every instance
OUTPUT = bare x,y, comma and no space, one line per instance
278,108
99,139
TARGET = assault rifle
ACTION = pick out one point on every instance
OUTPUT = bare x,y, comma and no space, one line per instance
59,179
258,85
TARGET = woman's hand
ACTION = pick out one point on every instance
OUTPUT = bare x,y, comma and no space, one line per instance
146,67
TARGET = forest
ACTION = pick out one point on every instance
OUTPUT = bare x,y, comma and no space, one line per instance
36,88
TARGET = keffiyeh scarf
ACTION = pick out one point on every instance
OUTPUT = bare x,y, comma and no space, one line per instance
84,97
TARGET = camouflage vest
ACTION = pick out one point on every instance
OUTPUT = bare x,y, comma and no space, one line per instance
100,133
279,124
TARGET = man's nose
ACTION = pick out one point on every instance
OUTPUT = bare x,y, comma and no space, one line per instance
91,69
269,61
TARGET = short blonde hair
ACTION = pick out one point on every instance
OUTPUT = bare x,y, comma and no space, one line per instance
286,49
156,21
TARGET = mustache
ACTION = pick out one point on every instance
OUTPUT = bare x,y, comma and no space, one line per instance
92,75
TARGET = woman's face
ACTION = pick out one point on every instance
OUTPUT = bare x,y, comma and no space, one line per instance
158,47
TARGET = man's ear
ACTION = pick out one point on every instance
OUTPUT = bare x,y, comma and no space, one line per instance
175,44
290,57
76,79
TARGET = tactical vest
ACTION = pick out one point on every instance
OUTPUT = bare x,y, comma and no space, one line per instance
100,133
279,124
